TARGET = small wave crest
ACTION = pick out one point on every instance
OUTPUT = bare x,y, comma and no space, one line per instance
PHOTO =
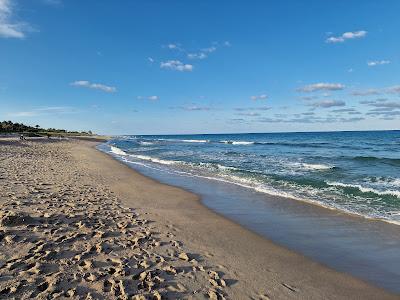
237,142
182,141
316,167
366,189
117,151
196,141
154,159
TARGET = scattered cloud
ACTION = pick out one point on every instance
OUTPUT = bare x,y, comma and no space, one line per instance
209,49
237,120
44,111
378,63
95,86
371,92
328,103
308,113
394,89
262,108
351,35
203,53
386,115
249,114
150,59
350,111
200,55
174,46
9,27
383,108
308,98
193,107
310,120
259,97
368,92
382,103
150,98
321,86
176,65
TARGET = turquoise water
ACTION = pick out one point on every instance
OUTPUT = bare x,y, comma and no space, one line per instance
355,172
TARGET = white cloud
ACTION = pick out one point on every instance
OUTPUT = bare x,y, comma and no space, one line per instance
378,63
308,98
196,108
309,119
199,55
172,46
192,107
259,97
322,86
394,89
350,111
44,111
328,103
261,108
153,98
150,98
176,65
368,92
227,44
382,103
8,27
209,49
95,86
249,114
203,53
347,36
23,114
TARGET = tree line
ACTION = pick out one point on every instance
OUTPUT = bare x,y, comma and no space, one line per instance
10,127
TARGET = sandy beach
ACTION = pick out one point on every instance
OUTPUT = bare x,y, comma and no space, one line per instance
77,224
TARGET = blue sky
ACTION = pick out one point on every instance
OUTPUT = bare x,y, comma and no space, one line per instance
159,67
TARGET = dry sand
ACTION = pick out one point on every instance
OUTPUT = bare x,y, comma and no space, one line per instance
77,224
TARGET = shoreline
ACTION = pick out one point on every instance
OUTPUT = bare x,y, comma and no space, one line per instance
245,231
315,203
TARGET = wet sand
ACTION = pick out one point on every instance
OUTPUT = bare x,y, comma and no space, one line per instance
76,223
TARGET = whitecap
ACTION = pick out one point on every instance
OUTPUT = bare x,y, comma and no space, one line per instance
117,151
316,166
154,159
237,142
366,189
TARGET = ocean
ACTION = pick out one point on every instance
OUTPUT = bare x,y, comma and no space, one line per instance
280,184
353,172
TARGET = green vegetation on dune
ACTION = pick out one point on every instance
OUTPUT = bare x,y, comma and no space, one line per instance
10,127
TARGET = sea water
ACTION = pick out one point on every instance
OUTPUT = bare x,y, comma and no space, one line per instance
270,182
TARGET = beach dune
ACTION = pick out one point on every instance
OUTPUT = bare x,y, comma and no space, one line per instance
77,224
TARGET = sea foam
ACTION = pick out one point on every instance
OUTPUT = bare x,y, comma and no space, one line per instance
366,189
117,151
